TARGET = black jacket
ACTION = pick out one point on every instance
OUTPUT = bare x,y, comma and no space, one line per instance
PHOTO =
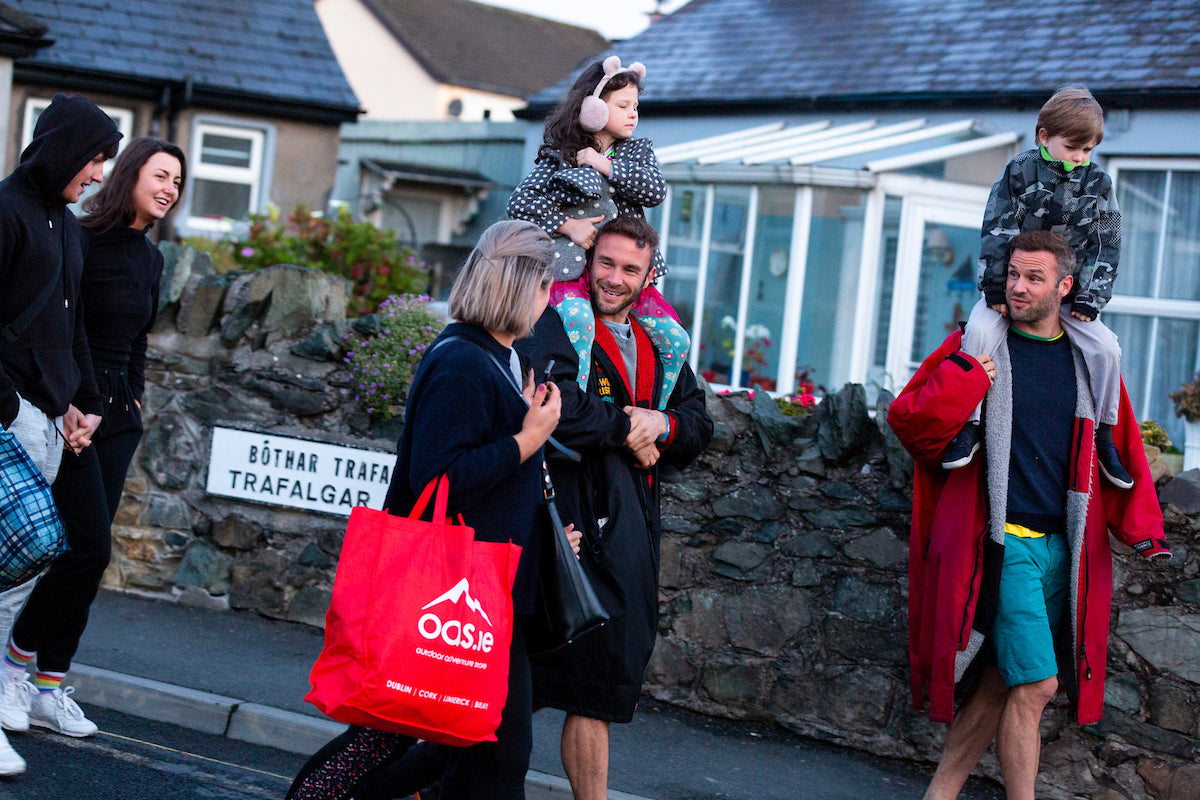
617,507
48,364
460,421
120,291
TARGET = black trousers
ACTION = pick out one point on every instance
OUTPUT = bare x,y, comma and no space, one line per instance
371,765
86,492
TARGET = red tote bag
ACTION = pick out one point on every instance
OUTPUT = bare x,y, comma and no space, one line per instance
418,632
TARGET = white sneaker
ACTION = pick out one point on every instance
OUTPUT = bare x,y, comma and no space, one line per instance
11,762
58,712
16,697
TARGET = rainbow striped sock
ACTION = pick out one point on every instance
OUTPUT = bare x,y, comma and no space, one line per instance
47,682
16,660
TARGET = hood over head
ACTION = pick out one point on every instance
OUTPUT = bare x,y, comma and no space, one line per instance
68,134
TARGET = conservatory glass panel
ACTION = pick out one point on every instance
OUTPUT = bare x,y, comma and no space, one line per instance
828,314
718,325
768,286
682,252
946,289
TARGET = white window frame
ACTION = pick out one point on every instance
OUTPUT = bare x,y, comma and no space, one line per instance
251,175
35,105
1155,308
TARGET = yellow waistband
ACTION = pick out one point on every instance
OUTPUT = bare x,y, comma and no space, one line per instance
1022,531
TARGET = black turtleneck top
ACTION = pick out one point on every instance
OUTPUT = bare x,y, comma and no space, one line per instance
120,299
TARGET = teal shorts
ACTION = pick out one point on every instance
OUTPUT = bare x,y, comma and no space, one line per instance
1033,600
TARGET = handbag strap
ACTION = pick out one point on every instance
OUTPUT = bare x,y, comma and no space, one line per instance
14,329
512,382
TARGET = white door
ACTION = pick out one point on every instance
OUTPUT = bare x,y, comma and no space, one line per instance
935,274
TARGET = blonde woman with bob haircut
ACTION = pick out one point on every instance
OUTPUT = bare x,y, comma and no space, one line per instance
465,420
499,287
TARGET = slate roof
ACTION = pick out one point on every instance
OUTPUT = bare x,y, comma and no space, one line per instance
483,47
20,34
263,55
821,54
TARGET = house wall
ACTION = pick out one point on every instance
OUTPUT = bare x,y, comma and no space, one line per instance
389,82
6,73
478,105
300,158
492,149
12,141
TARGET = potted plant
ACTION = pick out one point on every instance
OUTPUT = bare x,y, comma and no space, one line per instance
1187,406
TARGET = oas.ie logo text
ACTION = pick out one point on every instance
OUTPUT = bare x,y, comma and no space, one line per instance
455,632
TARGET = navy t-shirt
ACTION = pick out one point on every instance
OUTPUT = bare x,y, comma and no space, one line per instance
1043,423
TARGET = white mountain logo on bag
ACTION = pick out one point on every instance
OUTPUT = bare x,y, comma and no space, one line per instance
455,632
461,590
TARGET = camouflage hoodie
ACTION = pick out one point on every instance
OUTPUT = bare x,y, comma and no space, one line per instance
1037,194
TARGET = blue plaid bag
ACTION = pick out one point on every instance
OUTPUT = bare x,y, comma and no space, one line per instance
31,532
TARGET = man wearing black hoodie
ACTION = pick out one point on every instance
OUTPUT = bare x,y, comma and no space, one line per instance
48,394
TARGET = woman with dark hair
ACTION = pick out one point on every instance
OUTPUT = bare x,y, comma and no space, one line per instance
465,420
120,292
119,297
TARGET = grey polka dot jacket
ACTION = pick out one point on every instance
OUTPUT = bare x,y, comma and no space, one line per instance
636,183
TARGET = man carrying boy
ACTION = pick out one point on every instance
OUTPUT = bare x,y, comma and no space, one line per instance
1055,187
999,547
48,394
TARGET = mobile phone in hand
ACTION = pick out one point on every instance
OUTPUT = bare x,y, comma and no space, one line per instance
548,375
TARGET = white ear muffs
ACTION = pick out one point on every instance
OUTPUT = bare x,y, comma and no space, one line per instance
593,112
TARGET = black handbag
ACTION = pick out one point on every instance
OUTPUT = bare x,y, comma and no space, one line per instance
566,605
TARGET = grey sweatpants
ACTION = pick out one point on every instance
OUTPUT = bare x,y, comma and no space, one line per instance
38,434
1099,346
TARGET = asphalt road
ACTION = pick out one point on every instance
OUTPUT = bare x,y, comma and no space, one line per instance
132,758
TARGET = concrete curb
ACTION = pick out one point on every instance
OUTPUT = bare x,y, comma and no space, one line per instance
245,722
150,699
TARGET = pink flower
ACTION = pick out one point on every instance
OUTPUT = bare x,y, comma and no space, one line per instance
247,252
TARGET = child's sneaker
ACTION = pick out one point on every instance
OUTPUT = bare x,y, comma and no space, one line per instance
16,694
1110,459
58,712
962,447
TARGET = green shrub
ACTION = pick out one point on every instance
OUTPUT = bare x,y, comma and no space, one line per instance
1154,435
219,250
374,263
381,366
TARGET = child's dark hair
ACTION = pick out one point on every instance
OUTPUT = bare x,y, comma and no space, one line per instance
564,135
1073,114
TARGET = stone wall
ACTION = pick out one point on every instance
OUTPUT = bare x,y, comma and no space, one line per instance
783,560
